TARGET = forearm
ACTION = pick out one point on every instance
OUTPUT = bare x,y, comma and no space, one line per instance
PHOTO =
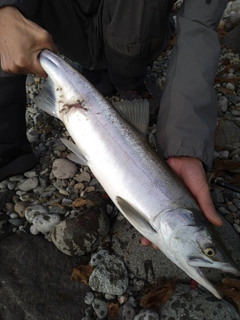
187,117
13,3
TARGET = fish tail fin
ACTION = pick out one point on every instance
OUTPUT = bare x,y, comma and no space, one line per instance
47,98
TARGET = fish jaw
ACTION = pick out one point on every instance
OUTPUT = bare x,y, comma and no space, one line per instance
185,243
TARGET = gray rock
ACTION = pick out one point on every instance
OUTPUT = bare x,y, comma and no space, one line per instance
223,104
98,257
146,314
46,222
33,211
227,133
82,234
17,222
64,169
36,281
196,304
100,307
217,196
126,312
89,298
109,277
28,184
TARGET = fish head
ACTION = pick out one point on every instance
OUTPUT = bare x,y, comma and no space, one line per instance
191,244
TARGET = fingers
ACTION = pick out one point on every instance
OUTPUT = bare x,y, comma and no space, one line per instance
145,242
207,206
191,171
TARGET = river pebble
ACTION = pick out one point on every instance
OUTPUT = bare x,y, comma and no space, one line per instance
28,184
147,315
81,234
20,208
33,211
46,222
64,169
100,307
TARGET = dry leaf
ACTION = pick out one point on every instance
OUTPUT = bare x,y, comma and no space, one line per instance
82,273
227,165
231,290
156,293
113,310
80,202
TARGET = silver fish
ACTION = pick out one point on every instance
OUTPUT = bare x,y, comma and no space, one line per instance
141,185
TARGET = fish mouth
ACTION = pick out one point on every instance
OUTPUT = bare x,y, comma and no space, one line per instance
194,271
205,263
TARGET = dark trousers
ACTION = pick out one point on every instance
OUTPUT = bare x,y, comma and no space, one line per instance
123,37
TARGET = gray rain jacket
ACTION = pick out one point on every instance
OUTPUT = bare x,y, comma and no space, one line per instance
187,117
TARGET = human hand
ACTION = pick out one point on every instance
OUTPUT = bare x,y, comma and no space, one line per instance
21,41
191,171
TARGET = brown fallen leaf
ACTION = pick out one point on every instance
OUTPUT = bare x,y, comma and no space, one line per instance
82,273
231,290
113,311
227,165
80,202
156,293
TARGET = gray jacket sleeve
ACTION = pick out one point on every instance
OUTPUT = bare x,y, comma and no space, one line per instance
13,3
188,112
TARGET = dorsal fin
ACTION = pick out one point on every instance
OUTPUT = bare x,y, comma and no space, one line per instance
136,112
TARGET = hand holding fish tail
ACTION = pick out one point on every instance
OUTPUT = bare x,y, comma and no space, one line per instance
21,41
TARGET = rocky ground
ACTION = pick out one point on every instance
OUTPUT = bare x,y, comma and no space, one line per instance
104,272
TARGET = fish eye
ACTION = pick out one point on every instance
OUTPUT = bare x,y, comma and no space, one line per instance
209,250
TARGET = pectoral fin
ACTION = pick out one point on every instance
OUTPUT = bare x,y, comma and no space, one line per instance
137,220
76,155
